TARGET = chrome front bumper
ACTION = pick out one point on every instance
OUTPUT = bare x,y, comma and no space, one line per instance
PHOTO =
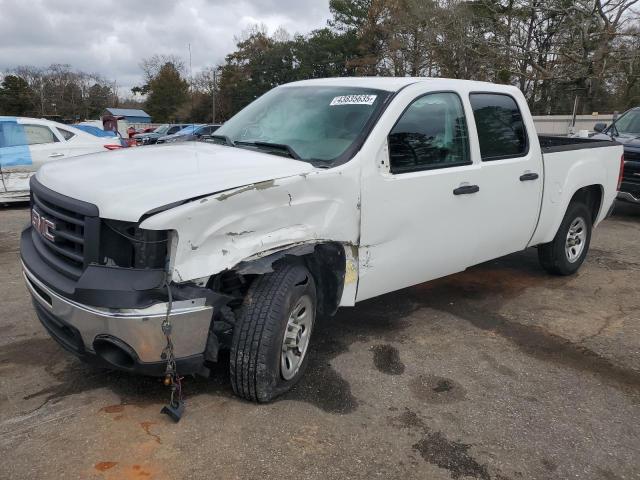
628,197
138,329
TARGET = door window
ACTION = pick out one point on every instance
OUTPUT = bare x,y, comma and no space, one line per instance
500,127
37,134
431,133
12,134
66,134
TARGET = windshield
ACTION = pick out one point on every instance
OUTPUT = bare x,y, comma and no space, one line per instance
629,123
319,124
187,130
95,131
162,129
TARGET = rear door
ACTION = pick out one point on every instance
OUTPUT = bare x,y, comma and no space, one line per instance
419,215
27,147
511,175
82,143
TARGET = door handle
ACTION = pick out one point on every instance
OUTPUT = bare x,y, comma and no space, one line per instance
466,190
528,176
54,155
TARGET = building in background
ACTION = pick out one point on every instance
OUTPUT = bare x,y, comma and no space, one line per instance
131,115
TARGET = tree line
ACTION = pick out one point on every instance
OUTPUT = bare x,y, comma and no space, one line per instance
56,91
555,51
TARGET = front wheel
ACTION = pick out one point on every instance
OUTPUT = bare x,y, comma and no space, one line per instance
272,333
566,252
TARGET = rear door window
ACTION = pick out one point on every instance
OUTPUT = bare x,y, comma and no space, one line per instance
500,126
66,134
39,134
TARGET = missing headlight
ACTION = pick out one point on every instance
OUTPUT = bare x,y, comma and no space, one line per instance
124,244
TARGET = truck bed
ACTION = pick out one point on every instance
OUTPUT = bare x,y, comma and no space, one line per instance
551,143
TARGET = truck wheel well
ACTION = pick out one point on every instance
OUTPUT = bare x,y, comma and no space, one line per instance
591,196
326,261
327,264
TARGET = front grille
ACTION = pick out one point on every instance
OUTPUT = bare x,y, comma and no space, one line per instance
631,172
632,155
71,243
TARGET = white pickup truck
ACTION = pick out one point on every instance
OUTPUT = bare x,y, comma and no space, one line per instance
318,195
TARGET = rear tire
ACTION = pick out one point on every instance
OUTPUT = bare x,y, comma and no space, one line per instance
269,349
566,252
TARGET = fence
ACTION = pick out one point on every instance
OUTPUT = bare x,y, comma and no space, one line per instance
559,124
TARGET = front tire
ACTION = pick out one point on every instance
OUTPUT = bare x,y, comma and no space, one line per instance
566,252
272,333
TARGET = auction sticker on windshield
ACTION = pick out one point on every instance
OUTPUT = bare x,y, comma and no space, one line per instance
353,100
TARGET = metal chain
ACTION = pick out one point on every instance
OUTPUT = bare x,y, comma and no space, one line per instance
171,373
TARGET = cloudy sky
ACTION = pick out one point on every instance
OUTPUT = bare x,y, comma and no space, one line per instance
110,37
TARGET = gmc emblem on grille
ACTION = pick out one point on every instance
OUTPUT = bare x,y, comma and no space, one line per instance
43,225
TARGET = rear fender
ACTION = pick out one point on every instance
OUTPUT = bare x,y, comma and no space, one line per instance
564,176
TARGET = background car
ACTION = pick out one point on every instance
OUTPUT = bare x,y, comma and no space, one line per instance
99,132
28,143
163,130
192,132
626,130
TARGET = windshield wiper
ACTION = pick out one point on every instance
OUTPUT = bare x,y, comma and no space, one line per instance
226,139
273,146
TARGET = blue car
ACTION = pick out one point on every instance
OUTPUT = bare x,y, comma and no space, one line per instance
98,132
191,132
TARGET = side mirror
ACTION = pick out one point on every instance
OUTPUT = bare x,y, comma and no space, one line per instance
599,127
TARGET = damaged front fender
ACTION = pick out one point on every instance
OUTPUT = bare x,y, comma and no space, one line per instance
221,231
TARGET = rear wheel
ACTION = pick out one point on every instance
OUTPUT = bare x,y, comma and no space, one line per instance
566,252
272,333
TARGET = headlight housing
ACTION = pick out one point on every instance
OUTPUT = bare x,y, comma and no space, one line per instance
126,245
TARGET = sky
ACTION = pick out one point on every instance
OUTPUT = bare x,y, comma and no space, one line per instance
110,37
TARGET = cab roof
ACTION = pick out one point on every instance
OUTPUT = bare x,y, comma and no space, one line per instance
393,84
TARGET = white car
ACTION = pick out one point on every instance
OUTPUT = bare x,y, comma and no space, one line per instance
28,143
321,194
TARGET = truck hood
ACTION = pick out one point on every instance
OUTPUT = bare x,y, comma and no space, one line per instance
125,184
625,139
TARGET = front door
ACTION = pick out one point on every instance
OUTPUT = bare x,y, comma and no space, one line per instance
24,148
419,211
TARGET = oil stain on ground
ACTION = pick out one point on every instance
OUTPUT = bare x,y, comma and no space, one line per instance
386,359
438,450
435,389
450,455
322,385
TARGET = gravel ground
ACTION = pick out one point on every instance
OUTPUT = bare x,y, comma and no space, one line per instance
500,372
